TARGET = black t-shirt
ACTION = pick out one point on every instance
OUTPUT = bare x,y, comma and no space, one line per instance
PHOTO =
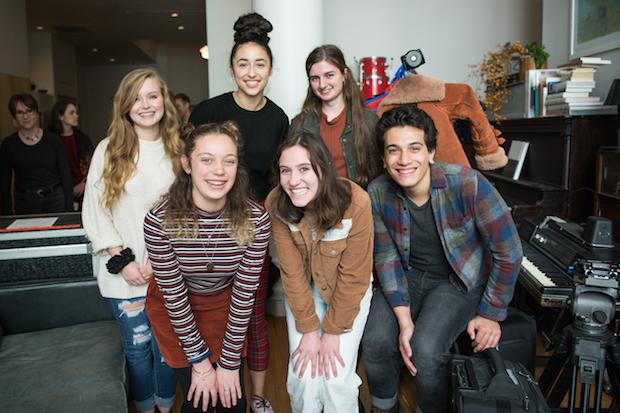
34,166
426,251
261,130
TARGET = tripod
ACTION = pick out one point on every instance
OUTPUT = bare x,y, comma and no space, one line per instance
581,352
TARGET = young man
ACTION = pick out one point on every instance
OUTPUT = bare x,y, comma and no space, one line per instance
184,106
447,256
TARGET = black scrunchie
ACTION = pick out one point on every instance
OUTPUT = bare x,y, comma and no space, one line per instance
116,264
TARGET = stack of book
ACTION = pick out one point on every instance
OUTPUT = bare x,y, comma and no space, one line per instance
570,94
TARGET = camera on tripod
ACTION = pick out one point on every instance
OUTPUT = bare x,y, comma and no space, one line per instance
595,293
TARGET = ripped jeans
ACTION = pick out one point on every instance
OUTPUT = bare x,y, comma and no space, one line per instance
151,381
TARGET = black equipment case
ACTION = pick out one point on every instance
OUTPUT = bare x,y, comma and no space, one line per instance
517,343
488,384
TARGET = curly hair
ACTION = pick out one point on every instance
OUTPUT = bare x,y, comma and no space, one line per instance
122,151
252,28
181,216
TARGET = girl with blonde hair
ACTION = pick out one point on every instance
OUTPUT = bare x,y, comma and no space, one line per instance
130,170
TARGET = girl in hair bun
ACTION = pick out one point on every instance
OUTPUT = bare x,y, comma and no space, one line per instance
263,125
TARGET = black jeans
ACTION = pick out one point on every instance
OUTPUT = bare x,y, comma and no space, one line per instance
440,309
29,203
185,379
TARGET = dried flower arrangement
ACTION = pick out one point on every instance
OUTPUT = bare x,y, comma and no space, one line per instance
493,71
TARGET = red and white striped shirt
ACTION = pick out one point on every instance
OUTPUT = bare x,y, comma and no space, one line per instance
181,265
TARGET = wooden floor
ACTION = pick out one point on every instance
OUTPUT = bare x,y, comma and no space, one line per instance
275,388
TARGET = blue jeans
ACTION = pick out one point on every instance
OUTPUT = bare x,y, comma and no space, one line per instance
440,309
151,381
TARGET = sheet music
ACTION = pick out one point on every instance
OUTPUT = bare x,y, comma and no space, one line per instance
33,222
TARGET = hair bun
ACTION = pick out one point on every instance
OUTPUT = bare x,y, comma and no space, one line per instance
186,131
252,27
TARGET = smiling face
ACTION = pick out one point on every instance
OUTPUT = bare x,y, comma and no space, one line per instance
407,159
27,119
326,81
70,116
297,177
148,108
251,68
213,168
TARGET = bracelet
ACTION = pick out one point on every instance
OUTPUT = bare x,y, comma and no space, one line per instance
202,374
116,264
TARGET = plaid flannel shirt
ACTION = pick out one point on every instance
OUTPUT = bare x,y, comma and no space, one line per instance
478,235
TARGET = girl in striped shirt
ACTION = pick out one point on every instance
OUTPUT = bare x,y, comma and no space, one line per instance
207,241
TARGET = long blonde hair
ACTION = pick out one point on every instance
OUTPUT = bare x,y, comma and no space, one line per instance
121,154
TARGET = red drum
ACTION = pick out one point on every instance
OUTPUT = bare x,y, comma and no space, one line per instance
373,66
374,85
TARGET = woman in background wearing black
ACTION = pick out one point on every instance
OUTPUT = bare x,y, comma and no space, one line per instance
38,163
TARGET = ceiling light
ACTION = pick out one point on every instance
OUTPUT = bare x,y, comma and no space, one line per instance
39,27
204,52
174,14
181,27
112,60
95,50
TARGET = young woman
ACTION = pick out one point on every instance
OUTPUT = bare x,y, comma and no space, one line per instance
130,170
334,110
35,160
78,147
263,126
323,231
207,242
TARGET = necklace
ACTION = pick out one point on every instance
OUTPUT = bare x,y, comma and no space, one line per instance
210,264
34,137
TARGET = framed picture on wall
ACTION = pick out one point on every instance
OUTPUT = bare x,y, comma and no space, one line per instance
595,27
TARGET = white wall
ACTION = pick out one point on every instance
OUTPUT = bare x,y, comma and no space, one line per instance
14,38
556,37
453,34
221,15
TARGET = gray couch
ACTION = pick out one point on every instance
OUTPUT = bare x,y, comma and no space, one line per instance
60,350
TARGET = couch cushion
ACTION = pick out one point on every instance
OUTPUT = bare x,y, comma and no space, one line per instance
79,368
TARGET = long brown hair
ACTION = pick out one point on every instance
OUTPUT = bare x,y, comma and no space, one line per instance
122,151
334,194
181,216
367,164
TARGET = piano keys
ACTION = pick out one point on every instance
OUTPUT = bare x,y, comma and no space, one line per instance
551,251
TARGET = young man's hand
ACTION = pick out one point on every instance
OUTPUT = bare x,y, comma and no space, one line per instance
484,333
406,327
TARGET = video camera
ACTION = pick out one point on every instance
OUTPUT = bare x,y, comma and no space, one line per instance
595,293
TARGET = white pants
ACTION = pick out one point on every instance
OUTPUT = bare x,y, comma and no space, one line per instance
338,394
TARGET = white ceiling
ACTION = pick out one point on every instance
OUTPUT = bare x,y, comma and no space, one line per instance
114,26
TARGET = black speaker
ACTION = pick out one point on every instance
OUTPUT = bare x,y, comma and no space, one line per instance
598,232
412,59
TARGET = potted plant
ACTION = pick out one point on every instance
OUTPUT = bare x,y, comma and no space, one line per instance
539,54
